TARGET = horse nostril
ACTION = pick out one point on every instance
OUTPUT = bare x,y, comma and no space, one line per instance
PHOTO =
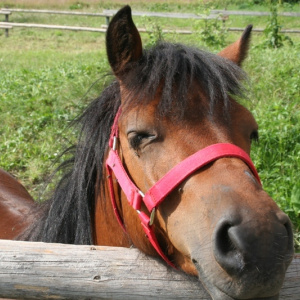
237,244
223,241
285,221
225,248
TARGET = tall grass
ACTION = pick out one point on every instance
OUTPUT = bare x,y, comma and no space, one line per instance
45,75
276,105
41,90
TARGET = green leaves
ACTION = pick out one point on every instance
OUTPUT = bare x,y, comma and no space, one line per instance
210,31
275,105
274,38
295,199
38,102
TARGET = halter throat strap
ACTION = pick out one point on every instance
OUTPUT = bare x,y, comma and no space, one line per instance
162,188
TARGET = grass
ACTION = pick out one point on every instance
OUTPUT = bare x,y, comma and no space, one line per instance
46,73
276,106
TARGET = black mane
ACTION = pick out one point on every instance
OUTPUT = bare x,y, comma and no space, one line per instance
67,216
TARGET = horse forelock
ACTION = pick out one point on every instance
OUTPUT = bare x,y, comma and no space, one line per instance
173,69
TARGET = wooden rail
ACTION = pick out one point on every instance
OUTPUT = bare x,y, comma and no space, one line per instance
103,28
6,27
212,15
59,12
167,14
259,30
107,14
45,26
251,13
30,270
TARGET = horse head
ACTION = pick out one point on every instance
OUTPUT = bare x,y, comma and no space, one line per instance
217,223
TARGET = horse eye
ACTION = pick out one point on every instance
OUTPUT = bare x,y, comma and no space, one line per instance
137,138
254,136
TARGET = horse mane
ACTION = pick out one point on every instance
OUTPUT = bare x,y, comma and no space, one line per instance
67,216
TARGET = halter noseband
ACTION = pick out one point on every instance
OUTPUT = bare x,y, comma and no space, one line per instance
162,188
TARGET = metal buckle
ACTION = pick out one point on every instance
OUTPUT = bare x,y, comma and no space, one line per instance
152,214
152,217
114,147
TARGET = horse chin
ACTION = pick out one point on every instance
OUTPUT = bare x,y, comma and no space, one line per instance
221,287
222,296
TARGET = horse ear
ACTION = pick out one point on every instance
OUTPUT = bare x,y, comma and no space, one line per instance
123,42
237,51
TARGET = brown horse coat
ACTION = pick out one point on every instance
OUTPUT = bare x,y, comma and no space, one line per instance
15,199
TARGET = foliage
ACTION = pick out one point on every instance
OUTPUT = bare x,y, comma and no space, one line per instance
211,31
276,109
279,1
274,38
78,5
41,92
153,30
295,199
295,202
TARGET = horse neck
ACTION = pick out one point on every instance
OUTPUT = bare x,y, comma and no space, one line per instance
107,230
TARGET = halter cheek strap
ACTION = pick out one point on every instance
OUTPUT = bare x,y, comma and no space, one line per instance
162,188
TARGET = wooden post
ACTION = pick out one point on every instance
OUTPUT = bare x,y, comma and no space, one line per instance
30,270
6,26
6,20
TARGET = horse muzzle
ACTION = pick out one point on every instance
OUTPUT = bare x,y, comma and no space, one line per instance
249,258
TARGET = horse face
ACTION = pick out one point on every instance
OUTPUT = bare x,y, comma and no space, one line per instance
218,224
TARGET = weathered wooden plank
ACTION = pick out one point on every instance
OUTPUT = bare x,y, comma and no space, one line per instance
110,12
4,12
91,29
166,14
45,26
262,30
59,12
103,28
6,27
45,271
251,13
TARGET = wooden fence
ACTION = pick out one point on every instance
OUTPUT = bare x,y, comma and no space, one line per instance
30,270
107,14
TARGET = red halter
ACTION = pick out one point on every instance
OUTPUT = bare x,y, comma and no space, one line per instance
162,188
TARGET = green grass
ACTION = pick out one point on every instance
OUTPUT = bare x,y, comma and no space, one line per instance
41,90
46,73
276,106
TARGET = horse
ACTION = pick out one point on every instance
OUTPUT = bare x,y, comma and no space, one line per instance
162,164
15,203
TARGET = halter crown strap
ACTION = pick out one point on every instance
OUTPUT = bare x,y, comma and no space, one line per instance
162,188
